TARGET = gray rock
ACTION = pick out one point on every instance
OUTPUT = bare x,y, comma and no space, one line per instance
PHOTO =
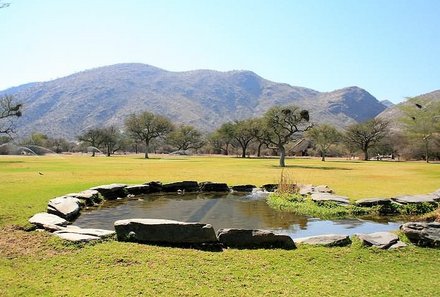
214,187
398,245
186,186
323,197
436,193
45,219
369,202
325,240
269,187
306,190
323,189
164,231
75,237
112,191
408,199
65,207
88,196
254,239
155,186
382,240
244,188
86,231
422,233
138,189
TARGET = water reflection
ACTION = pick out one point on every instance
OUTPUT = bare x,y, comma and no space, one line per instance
230,211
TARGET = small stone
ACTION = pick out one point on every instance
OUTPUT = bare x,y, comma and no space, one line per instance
101,233
74,237
328,240
398,245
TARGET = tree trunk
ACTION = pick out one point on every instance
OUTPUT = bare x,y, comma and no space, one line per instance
426,151
243,151
109,152
227,149
259,150
282,156
147,144
93,152
366,157
322,156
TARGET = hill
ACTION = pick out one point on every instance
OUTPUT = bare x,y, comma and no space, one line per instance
203,98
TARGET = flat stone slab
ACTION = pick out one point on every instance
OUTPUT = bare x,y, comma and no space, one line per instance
46,219
185,186
382,240
409,199
111,191
101,233
138,189
89,196
74,237
244,188
254,239
309,189
436,193
214,187
164,231
369,202
323,197
65,207
328,240
398,245
422,233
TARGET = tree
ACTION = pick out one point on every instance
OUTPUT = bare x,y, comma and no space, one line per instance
260,133
8,111
421,120
147,126
366,135
243,134
93,137
185,138
111,139
281,123
223,137
323,136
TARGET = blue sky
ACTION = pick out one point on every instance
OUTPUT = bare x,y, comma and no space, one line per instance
390,48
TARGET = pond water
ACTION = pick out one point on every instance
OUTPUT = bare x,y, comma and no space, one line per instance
224,211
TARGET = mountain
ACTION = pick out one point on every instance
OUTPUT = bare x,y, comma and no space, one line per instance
387,103
204,98
393,113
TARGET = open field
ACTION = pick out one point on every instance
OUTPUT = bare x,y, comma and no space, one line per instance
33,263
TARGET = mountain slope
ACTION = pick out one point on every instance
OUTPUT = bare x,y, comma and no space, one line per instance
204,98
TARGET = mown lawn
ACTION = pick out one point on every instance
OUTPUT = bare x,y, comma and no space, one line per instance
33,263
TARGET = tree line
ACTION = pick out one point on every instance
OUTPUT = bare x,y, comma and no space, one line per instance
282,131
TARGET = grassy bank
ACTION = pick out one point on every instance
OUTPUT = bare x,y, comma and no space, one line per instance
36,264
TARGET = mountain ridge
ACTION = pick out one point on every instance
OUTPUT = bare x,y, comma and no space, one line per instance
205,98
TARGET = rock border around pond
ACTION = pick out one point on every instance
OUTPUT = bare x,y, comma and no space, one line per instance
62,210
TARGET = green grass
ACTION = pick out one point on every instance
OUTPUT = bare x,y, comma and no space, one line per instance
36,264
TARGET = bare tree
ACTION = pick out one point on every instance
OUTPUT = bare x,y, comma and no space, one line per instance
281,123
8,111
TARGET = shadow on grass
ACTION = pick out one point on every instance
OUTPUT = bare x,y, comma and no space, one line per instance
314,167
11,162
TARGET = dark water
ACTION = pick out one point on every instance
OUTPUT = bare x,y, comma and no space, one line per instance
231,211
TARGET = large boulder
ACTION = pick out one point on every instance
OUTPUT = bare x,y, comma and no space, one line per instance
244,188
411,199
66,207
325,197
254,239
164,231
186,186
328,240
382,240
214,187
137,189
422,233
44,220
112,191
90,197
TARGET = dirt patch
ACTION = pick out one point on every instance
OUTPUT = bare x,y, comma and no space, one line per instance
16,243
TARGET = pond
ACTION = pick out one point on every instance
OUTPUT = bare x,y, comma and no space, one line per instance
224,211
